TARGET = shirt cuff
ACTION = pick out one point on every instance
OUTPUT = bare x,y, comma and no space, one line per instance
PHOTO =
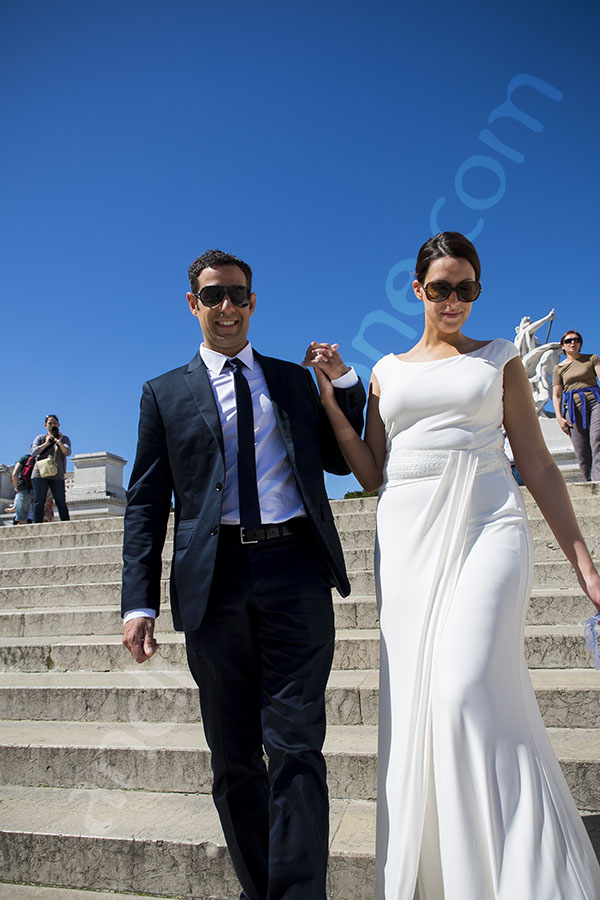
346,381
139,614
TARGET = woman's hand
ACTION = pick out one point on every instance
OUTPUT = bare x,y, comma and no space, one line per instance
591,585
564,425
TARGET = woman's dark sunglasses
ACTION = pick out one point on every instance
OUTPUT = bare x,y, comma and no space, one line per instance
466,291
214,294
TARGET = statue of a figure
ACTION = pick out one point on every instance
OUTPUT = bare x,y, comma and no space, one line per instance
538,359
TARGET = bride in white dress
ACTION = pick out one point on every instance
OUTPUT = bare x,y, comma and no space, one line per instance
472,804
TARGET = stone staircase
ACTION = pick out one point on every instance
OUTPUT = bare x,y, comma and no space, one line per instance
104,768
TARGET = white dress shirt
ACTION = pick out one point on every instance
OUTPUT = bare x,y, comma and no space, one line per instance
278,492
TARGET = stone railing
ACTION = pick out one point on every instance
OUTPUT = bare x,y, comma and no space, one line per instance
94,488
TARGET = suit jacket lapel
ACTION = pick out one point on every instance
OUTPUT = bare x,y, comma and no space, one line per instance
199,384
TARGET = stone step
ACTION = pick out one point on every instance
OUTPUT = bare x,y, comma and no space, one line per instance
36,892
585,496
21,540
578,490
546,548
170,757
358,544
39,566
48,576
358,548
148,842
354,505
582,490
108,547
67,621
357,529
548,605
589,524
568,698
173,758
354,649
74,595
63,556
359,562
70,595
545,575
553,607
586,511
545,608
94,609
583,508
546,646
49,529
88,619
583,504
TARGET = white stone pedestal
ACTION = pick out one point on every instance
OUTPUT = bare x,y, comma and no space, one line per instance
97,486
561,447
7,491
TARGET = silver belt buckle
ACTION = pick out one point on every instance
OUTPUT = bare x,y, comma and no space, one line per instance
242,533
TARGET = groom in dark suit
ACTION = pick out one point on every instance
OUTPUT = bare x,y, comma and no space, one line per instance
241,441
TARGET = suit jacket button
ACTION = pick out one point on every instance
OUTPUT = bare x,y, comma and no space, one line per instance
219,486
214,530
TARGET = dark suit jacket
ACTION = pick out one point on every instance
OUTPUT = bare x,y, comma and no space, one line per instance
180,451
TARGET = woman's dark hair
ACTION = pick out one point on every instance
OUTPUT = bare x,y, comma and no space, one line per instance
446,243
571,331
50,416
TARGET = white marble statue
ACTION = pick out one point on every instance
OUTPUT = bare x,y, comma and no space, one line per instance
539,359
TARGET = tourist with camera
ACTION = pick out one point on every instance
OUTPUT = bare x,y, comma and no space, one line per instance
51,450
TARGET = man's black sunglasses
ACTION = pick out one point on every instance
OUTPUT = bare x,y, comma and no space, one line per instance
214,294
466,291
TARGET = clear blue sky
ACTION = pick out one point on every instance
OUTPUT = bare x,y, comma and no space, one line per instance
312,140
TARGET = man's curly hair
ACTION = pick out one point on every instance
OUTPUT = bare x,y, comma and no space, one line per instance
213,259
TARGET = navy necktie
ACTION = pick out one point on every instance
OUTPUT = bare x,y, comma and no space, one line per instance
246,456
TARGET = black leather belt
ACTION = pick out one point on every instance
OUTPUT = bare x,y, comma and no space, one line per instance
265,532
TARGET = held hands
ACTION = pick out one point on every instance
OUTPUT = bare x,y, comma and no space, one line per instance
138,637
325,359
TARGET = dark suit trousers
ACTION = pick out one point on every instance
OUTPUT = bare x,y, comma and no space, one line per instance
261,659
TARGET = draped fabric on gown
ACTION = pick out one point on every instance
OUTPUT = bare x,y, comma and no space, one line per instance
472,804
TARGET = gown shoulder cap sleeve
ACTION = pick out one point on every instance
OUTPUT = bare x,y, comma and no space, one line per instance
503,351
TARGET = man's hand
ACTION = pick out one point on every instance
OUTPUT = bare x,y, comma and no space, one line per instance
138,637
325,358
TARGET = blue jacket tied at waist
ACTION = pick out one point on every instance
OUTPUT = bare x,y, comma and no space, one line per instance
569,401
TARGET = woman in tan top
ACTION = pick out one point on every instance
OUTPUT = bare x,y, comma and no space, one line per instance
576,391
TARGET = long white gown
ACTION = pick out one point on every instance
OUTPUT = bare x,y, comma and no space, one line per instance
472,804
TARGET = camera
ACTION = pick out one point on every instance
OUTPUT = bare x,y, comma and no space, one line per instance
54,431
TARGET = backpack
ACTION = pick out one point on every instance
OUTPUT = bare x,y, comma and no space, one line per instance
26,471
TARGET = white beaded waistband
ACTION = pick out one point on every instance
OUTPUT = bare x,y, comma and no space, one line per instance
405,465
